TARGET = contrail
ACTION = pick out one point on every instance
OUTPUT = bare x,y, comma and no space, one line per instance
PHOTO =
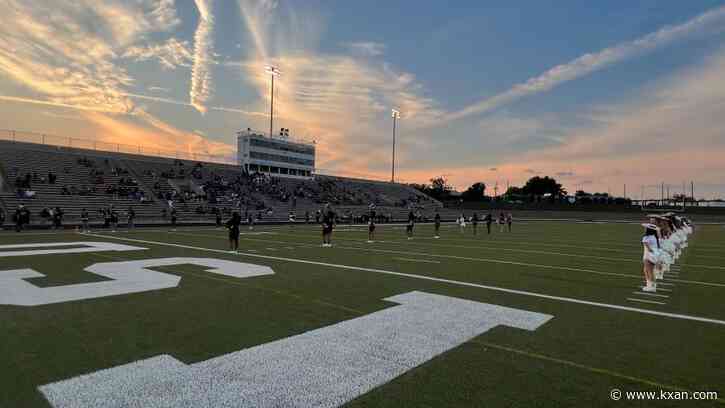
592,62
203,49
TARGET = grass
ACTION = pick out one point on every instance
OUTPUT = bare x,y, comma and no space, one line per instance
573,360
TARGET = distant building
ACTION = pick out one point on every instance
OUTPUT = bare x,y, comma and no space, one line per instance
277,156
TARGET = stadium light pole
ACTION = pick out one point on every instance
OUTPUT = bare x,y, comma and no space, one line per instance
273,72
395,115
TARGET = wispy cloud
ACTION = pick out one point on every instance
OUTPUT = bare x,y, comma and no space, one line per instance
588,63
366,48
201,79
64,52
170,54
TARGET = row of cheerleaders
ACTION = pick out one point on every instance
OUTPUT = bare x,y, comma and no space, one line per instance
664,239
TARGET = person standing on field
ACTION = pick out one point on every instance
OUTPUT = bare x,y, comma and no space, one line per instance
233,227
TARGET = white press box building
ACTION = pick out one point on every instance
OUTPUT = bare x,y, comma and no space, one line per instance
277,156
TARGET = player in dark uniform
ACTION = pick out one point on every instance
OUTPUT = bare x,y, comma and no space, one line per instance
233,227
411,224
371,226
131,215
489,220
84,221
173,219
474,221
250,221
437,223
328,221
218,218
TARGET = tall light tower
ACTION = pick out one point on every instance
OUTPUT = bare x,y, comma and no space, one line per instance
395,115
273,72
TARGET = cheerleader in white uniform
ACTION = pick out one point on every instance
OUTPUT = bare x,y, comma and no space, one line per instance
665,253
650,258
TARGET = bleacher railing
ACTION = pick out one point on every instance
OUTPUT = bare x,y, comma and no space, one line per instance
78,143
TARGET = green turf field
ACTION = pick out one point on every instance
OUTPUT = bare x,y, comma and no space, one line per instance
603,334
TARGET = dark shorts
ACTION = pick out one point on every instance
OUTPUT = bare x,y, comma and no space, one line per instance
327,229
234,234
409,228
371,227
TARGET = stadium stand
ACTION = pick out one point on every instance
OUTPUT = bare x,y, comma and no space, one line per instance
43,177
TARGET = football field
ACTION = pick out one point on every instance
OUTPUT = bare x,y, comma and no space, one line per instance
550,314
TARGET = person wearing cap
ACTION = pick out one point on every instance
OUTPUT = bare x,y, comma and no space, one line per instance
650,243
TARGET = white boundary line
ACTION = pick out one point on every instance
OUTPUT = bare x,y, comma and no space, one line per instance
442,280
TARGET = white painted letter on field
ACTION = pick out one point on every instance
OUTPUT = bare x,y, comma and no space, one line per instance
126,277
326,367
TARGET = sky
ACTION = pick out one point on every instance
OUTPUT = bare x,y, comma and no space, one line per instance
598,95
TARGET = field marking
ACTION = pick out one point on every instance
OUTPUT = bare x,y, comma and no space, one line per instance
417,260
646,301
441,280
489,260
664,289
458,257
649,294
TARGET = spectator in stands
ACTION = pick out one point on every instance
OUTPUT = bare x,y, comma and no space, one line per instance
218,218
52,178
2,218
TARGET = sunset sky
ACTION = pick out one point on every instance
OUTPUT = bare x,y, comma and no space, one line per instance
594,93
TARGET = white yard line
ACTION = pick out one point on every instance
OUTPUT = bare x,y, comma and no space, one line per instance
417,260
441,280
649,294
646,301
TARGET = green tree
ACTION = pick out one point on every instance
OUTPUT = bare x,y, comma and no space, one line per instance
540,186
476,192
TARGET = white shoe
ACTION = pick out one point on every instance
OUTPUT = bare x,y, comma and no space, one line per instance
410,238
370,241
437,237
649,288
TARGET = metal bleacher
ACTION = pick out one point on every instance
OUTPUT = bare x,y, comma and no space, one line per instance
196,190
